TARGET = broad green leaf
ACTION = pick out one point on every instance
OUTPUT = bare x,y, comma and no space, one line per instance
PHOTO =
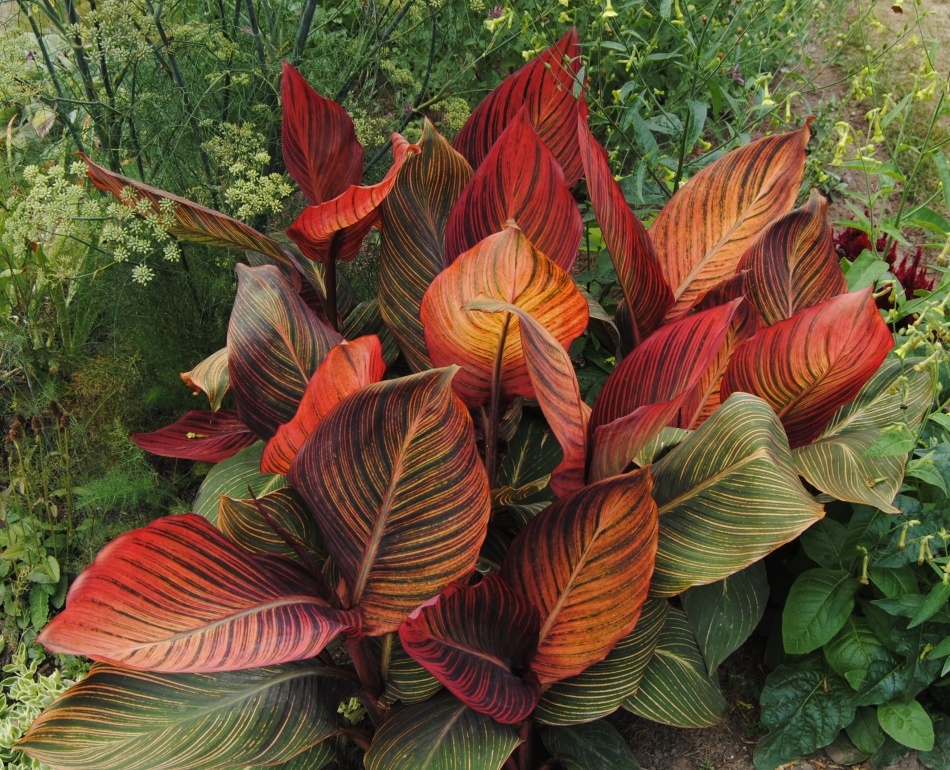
819,604
865,271
938,758
803,708
118,719
592,746
935,601
440,734
908,724
675,688
838,463
824,544
232,477
894,581
406,680
853,650
531,456
600,689
728,495
865,731
723,614
315,758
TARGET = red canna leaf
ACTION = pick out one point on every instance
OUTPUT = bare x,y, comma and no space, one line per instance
504,267
545,88
178,596
793,264
647,297
702,233
650,388
191,222
275,344
209,437
585,564
321,151
476,640
807,366
347,368
394,480
519,182
349,216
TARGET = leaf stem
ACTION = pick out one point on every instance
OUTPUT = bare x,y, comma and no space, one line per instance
330,281
524,750
366,669
494,410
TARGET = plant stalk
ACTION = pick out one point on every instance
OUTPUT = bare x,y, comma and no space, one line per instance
492,425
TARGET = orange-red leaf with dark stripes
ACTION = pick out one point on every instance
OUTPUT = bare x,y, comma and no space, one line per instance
519,182
793,264
399,492
545,88
275,343
585,564
702,233
807,366
347,368
504,267
178,596
321,151
476,640
208,437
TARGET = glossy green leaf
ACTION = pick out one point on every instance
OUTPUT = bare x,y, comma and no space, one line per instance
865,731
232,477
818,605
728,495
591,746
853,651
907,723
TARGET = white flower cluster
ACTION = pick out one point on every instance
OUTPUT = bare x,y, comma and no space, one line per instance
135,231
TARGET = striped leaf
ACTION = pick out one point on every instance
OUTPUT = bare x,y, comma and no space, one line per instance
118,719
519,182
206,436
394,480
723,614
406,680
365,319
647,297
728,495
675,688
412,253
340,225
545,87
837,461
178,596
232,478
793,264
585,565
211,378
702,233
275,344
315,758
347,368
191,222
557,392
592,746
476,640
242,522
504,267
651,389
812,363
440,734
600,689
321,151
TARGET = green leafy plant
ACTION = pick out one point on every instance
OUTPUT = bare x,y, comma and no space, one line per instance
380,537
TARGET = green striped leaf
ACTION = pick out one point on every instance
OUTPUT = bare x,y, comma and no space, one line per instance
412,253
242,522
592,746
600,689
315,758
211,378
406,680
727,495
117,719
440,734
723,614
232,477
396,485
365,319
837,461
675,688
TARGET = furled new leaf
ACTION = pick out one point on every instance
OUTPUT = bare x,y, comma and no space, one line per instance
521,182
206,436
210,377
178,596
395,482
275,344
119,719
728,495
585,564
412,253
702,233
812,363
476,640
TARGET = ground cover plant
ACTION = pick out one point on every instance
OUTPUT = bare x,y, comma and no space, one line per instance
370,536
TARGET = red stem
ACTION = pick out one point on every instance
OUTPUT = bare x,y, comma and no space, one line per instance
360,737
330,280
494,411
365,667
524,750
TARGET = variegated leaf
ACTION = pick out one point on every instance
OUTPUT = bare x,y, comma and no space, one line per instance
210,377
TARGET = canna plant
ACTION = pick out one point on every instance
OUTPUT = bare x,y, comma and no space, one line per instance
467,565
